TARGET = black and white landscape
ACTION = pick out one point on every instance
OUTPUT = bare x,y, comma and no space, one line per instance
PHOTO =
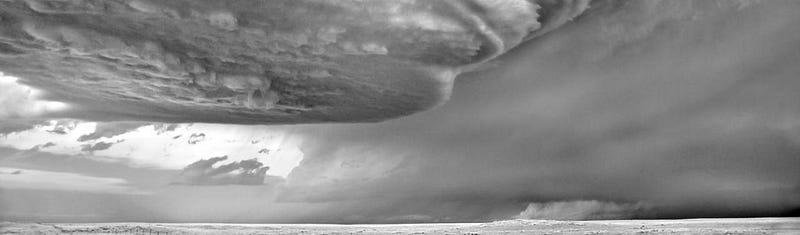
399,116
692,226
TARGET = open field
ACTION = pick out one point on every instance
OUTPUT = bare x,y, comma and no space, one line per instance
691,226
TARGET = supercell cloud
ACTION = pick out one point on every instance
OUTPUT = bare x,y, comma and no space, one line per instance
257,62
608,109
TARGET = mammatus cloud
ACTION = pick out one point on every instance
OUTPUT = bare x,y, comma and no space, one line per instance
282,61
203,172
581,210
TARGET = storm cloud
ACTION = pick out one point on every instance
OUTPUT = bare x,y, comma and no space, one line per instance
631,110
687,106
255,62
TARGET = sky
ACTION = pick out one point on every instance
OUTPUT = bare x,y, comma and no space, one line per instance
634,110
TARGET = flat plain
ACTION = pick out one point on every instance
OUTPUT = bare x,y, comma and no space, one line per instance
687,226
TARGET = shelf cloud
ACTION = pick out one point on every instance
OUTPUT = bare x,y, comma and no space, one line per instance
249,62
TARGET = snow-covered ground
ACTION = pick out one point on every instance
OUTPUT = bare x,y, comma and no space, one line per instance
691,226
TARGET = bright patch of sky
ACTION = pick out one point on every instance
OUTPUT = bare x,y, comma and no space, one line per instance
17,100
156,146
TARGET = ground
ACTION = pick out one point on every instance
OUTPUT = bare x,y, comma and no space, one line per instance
690,226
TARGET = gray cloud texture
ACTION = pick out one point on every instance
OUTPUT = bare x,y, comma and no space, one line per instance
257,62
686,105
636,109
203,172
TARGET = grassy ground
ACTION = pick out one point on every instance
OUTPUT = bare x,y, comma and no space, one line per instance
693,226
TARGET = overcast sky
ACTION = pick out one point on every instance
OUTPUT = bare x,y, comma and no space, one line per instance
637,109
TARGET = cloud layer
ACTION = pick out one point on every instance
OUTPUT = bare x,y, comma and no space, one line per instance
687,106
635,109
285,61
203,172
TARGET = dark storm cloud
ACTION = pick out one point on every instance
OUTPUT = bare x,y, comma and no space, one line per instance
688,106
637,109
203,172
141,60
111,129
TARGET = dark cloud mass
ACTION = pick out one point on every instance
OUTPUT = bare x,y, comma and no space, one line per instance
257,62
630,110
686,106
203,172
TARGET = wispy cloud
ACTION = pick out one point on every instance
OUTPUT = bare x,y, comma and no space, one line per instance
16,178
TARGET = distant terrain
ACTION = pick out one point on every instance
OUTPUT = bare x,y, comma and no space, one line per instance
690,226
